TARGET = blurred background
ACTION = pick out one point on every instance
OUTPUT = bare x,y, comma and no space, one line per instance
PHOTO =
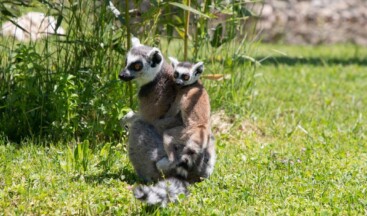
314,21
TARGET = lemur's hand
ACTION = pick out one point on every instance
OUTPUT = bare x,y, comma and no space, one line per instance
127,120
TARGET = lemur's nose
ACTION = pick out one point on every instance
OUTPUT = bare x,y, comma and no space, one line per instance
184,163
179,82
125,75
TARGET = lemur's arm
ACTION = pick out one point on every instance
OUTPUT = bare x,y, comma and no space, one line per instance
167,122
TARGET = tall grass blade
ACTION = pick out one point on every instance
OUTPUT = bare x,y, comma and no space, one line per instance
190,9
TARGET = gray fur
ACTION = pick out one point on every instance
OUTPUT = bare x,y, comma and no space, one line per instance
141,50
161,193
145,149
168,190
156,94
185,64
204,164
186,144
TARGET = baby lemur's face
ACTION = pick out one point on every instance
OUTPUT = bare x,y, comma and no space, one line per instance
186,73
187,154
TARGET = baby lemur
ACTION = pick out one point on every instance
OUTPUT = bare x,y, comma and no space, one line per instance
186,142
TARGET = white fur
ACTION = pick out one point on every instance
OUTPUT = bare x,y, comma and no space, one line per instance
210,165
174,62
182,70
129,115
190,71
128,119
182,172
152,51
167,138
186,70
135,42
161,193
148,74
132,58
196,66
194,146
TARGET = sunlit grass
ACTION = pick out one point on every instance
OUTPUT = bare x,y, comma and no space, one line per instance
296,146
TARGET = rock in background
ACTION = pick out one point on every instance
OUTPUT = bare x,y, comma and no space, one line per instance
34,25
314,21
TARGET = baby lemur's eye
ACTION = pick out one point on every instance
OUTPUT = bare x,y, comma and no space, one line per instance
175,74
185,77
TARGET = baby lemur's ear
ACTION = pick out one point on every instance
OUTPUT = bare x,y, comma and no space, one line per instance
198,68
154,57
174,62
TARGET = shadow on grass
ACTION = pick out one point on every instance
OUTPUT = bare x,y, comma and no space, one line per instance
125,175
287,60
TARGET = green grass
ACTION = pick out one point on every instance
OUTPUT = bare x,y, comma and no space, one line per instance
297,146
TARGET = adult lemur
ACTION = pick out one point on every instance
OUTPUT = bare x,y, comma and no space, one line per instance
156,94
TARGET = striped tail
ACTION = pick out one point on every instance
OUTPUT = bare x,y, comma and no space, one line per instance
163,192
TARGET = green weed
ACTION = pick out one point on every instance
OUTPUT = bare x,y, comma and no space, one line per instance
65,87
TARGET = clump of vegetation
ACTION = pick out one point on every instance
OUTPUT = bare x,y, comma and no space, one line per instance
65,87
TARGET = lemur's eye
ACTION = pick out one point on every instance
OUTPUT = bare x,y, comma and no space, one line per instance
136,66
185,77
175,74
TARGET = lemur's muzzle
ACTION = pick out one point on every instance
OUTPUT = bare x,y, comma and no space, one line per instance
179,82
125,75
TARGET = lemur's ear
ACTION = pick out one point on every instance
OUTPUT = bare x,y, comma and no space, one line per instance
154,57
198,68
174,62
135,42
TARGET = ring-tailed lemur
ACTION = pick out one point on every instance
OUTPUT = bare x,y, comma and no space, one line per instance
156,94
154,77
185,143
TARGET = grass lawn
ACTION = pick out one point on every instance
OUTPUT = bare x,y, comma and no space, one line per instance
298,148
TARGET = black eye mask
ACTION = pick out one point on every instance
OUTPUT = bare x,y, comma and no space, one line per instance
185,77
136,66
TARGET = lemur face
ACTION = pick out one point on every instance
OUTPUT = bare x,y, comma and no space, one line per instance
142,63
186,73
187,157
